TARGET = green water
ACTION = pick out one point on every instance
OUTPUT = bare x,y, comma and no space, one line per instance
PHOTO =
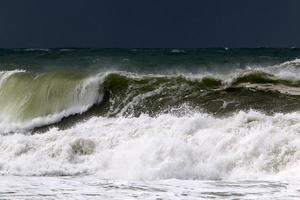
75,84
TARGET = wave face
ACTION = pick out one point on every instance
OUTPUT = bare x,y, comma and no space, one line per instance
150,114
29,100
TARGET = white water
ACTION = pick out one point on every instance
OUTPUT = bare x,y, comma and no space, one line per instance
249,155
173,189
246,156
245,146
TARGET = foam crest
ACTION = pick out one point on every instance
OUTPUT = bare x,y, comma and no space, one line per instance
289,70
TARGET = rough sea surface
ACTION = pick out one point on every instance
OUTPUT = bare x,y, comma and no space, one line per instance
150,123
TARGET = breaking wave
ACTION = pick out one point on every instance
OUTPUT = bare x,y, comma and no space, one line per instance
233,123
29,100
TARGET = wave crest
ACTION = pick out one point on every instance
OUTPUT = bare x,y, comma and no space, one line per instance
30,100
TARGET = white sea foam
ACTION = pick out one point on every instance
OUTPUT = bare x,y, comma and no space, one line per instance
91,188
155,157
247,145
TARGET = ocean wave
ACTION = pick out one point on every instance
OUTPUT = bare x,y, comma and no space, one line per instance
33,49
177,51
244,145
289,70
29,100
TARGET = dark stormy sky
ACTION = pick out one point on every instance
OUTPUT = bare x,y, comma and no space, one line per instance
149,23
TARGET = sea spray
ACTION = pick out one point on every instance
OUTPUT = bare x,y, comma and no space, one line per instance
149,123
245,145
